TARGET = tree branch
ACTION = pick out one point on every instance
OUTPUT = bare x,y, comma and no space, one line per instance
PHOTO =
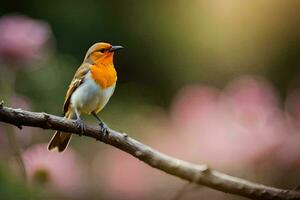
199,174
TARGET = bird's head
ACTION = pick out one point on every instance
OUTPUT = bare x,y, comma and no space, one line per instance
101,53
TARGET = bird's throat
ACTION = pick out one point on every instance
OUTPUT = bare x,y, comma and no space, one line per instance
104,75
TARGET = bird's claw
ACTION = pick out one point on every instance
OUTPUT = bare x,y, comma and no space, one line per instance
104,129
80,124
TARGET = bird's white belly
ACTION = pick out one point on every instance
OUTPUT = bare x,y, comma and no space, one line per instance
89,96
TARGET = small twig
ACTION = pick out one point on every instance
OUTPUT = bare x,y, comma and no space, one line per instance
11,135
179,194
201,174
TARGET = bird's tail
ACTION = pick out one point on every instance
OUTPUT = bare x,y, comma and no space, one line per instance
60,140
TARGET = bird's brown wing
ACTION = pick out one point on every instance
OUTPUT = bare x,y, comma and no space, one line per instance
76,82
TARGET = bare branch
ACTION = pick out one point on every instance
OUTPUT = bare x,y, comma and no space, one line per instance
199,174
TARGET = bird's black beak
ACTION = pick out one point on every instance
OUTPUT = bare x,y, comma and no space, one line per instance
115,48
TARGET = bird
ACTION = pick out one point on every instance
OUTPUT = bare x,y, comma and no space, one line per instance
92,86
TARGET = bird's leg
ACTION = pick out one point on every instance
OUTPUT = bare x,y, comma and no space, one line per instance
103,126
80,123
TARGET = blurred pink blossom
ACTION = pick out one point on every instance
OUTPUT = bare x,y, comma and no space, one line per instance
23,39
53,170
123,175
235,127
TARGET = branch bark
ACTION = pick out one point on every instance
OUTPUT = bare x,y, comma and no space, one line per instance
199,174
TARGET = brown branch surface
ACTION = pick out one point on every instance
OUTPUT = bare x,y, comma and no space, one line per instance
199,174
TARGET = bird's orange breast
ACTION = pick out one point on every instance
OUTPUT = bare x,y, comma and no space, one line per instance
104,75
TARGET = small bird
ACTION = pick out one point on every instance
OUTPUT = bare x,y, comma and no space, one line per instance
91,88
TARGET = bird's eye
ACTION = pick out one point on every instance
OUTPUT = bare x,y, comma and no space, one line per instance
102,50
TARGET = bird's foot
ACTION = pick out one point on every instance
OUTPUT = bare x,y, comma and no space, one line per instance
104,129
80,124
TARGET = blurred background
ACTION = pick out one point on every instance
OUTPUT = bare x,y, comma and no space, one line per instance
207,81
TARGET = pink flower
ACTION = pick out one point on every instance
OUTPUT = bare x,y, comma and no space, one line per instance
123,175
23,39
257,122
53,170
236,127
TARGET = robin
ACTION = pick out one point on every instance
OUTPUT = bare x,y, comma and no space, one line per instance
91,88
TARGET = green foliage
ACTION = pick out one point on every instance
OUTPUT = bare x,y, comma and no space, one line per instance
12,189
